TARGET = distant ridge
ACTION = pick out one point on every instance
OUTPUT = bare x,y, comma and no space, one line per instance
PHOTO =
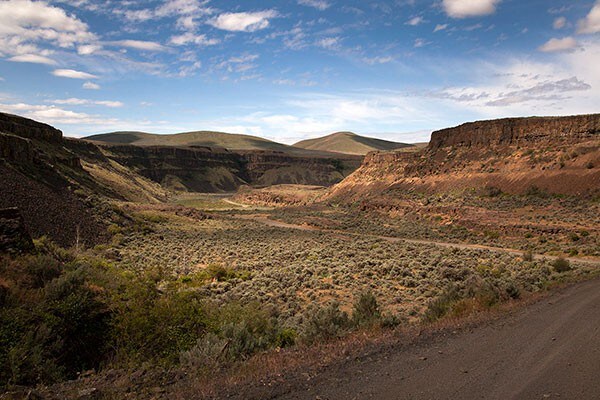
349,143
229,141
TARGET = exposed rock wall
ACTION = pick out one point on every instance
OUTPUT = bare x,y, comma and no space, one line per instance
556,154
28,128
517,131
14,237
16,149
216,169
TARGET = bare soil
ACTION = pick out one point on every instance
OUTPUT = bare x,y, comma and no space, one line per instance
548,350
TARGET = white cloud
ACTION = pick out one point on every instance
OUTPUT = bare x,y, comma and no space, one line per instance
329,43
469,8
88,49
420,43
140,45
591,23
378,60
72,74
54,115
90,86
318,4
169,8
33,58
567,85
243,21
440,27
183,7
25,24
415,21
191,38
556,45
80,102
559,23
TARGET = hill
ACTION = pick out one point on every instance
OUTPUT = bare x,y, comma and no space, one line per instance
552,155
349,143
230,141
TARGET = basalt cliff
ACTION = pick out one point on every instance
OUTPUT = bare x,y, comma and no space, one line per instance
554,155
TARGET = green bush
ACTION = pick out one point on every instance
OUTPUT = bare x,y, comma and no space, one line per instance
561,265
366,310
53,323
325,323
441,305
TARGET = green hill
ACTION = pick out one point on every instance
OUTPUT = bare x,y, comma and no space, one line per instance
200,138
349,143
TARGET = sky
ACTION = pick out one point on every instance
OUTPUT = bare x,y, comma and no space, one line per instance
294,69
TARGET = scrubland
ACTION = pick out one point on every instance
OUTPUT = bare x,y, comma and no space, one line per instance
191,290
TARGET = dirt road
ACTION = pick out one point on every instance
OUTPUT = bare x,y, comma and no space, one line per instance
279,224
548,350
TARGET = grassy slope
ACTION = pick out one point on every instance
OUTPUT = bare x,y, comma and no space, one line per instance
200,138
349,143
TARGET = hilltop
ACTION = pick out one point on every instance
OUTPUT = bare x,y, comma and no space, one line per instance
349,143
229,141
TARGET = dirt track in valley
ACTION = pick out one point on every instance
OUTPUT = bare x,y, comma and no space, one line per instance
550,349
465,246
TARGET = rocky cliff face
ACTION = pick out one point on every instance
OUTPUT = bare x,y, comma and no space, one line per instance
518,131
28,128
14,237
206,169
556,154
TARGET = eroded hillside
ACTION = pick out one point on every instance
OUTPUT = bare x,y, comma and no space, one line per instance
558,155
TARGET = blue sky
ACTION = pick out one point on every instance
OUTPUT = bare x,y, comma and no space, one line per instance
294,69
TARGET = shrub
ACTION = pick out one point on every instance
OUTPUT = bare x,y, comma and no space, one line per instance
528,256
53,323
325,323
154,326
440,306
366,310
561,265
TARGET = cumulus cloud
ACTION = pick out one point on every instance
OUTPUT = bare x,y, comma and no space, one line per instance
33,58
557,45
73,74
318,4
243,21
591,23
169,8
25,24
140,45
469,8
54,115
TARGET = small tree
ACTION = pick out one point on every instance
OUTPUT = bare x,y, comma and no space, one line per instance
561,265
366,310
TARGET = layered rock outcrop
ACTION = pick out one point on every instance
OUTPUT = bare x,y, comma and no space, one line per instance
205,169
28,128
558,155
518,131
14,237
